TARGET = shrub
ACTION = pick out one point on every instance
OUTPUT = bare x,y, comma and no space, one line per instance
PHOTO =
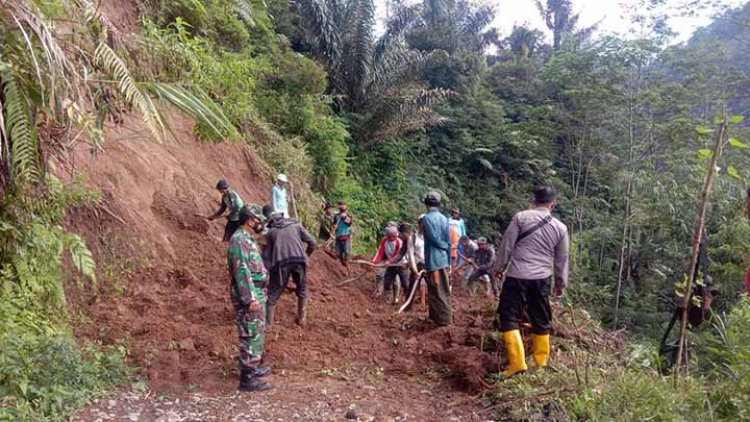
636,395
46,377
729,357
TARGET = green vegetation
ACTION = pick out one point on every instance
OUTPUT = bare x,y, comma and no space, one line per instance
440,100
596,383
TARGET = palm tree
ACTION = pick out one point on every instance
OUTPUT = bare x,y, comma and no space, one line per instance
560,19
454,26
524,41
376,83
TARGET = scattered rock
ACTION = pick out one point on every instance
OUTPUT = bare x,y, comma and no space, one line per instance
187,344
351,414
183,276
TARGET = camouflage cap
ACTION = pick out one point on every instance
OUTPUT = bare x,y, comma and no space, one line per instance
253,211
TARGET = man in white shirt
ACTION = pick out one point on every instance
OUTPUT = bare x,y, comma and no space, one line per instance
279,196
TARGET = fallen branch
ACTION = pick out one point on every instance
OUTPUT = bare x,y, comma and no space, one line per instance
111,214
352,279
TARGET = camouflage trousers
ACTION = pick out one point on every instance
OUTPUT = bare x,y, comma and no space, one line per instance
252,331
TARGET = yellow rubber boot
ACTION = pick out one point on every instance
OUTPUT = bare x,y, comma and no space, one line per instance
516,354
541,349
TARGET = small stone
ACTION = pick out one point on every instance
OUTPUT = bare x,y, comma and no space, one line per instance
351,414
187,344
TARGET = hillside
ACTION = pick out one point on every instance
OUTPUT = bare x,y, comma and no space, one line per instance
167,299
117,118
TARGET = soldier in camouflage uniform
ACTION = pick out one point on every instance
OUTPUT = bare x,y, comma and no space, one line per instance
248,291
231,201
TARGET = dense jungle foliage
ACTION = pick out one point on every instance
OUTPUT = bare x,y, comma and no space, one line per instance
436,98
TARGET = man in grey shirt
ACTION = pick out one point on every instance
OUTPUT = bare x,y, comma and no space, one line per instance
534,250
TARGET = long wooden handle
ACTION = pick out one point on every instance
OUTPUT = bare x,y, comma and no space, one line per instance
352,279
468,260
412,293
368,263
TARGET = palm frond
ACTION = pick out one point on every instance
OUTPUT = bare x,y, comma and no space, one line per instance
202,108
401,66
477,20
82,257
4,141
416,120
29,19
404,110
357,44
405,19
20,137
545,12
92,14
245,11
113,64
320,20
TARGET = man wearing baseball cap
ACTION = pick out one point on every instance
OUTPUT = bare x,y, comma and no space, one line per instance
229,200
279,199
437,250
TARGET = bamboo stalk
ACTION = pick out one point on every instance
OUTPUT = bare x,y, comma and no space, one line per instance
700,222
294,201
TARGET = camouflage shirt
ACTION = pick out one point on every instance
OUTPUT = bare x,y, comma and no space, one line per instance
246,270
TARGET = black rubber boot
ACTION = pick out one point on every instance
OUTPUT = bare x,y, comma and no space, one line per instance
261,371
249,382
301,312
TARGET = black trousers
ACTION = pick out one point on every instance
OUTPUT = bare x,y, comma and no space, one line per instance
279,278
531,295
229,229
477,274
390,277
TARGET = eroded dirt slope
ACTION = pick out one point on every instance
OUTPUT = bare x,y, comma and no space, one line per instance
165,294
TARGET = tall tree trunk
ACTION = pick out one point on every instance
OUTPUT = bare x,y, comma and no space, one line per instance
626,244
623,250
700,222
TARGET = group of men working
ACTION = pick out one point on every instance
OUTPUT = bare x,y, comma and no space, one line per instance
260,274
533,258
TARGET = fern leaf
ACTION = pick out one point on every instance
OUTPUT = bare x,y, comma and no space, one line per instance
20,136
113,64
82,257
